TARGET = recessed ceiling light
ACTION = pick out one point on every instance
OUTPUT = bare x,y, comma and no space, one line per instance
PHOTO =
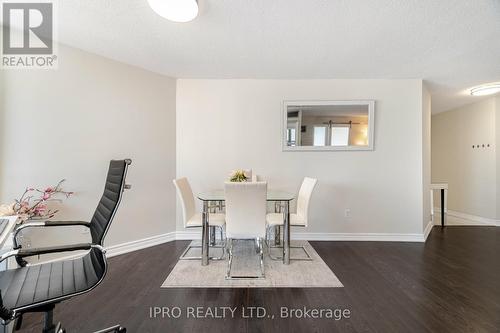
485,89
175,10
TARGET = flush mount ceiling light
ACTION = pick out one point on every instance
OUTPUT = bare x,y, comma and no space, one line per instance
485,89
175,10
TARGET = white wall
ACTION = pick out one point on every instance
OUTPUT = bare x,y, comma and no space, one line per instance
470,173
68,123
497,150
228,124
426,155
2,122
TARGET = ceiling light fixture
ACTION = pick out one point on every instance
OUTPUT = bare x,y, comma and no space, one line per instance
175,10
485,89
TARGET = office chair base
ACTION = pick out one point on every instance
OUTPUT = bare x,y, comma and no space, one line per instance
48,321
49,327
113,329
59,329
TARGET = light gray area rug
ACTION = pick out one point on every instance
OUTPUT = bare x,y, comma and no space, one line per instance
299,274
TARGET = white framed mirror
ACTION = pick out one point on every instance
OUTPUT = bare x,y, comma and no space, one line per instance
328,125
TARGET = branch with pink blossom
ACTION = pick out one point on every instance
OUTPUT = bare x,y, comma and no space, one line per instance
34,203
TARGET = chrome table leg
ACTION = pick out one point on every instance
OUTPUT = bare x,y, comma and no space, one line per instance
286,234
212,236
204,235
277,235
230,250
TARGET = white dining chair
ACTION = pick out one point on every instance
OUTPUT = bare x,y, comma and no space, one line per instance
298,219
245,218
257,178
251,177
249,174
193,219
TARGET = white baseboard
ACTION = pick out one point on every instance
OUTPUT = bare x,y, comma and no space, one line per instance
115,250
459,218
428,230
139,244
362,237
321,236
312,236
454,218
188,234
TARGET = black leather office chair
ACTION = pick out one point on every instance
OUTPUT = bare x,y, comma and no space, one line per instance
39,287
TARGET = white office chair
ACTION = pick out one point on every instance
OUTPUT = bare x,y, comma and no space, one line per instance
298,219
245,218
193,219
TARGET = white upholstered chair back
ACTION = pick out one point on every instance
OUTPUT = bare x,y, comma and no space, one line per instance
248,174
304,198
245,209
187,199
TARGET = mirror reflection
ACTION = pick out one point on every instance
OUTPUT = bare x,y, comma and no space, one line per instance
329,126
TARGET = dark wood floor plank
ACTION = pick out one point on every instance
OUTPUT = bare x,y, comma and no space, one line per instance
449,284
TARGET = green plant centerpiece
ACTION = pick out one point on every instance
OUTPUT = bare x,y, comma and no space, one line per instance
238,176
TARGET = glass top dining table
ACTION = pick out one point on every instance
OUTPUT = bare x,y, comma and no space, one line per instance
218,196
272,195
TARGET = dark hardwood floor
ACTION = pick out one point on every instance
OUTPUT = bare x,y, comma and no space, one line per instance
449,284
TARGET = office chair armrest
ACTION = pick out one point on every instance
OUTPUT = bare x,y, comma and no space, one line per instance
40,224
45,250
53,249
66,223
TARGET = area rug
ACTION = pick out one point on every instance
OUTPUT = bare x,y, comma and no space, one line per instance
299,274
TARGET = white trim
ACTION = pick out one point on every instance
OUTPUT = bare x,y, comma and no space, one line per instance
321,236
139,244
428,230
458,218
455,219
362,237
118,249
188,234
439,186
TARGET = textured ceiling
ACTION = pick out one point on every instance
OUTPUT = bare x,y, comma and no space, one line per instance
452,44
